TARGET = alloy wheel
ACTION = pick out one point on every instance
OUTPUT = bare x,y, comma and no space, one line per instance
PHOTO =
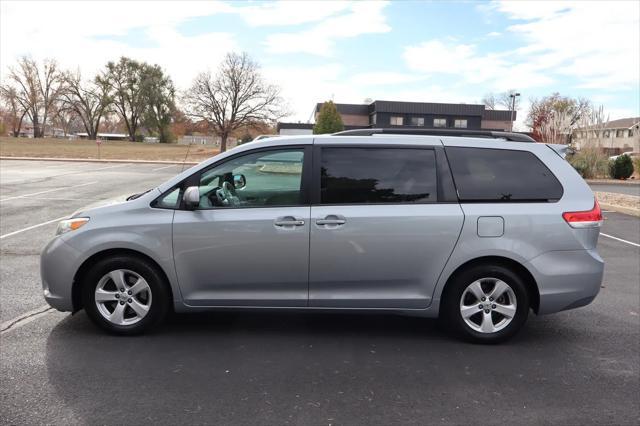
123,297
488,305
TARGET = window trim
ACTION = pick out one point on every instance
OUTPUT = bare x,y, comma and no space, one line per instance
466,123
439,118
494,201
194,179
391,117
416,118
317,165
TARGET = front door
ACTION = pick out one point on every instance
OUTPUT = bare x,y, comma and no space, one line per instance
379,238
247,244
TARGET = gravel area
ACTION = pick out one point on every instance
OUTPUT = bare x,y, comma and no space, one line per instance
627,202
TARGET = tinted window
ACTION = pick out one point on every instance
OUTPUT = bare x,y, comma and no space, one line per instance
377,175
483,174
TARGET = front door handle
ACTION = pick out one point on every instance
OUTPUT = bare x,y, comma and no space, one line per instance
288,221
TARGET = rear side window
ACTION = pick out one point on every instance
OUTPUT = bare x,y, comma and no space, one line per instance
377,175
483,174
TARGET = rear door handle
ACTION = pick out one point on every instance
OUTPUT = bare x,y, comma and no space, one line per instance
332,219
288,221
330,222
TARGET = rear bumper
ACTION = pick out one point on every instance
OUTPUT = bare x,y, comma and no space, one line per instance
567,279
57,274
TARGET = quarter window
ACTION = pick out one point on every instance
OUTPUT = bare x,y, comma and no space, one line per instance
377,175
260,179
396,120
439,122
490,175
460,124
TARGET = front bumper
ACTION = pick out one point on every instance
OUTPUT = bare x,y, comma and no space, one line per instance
567,279
57,269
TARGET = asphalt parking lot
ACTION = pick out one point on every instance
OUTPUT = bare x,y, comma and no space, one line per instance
576,367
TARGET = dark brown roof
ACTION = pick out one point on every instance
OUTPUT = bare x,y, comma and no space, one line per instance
499,115
349,109
428,108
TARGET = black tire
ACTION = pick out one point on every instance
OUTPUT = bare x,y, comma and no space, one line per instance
451,313
160,293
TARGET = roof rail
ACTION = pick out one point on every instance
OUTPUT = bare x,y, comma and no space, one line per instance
509,136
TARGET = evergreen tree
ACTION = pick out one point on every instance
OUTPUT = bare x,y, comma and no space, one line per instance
329,120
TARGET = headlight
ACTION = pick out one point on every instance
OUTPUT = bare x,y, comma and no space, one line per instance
71,224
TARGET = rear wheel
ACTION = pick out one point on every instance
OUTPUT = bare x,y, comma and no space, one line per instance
486,304
125,295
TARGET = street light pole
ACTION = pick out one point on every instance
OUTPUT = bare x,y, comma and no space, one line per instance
513,106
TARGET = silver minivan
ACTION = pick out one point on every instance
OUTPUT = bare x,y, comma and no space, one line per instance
474,228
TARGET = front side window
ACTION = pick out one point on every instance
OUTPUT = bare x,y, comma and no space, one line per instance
377,175
484,174
460,124
417,121
261,179
439,122
396,121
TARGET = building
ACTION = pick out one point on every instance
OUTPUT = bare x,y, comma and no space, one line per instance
390,114
613,137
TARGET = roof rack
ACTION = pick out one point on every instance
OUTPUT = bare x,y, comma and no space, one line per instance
509,136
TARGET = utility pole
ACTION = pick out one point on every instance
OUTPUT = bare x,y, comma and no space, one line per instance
513,106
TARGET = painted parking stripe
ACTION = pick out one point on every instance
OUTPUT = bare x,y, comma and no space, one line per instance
77,172
29,228
163,167
47,191
620,239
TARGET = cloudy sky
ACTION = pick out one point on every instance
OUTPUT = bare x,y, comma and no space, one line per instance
348,51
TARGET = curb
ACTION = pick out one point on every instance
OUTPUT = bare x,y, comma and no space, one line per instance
95,160
620,209
613,181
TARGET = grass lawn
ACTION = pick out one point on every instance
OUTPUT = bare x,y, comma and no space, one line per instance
62,148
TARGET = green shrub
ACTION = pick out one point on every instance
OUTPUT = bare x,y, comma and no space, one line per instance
621,167
590,163
139,137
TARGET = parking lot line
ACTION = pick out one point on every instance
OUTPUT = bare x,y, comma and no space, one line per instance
163,167
32,227
47,191
620,239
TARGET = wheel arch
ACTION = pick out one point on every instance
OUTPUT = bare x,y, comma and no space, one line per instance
76,289
515,266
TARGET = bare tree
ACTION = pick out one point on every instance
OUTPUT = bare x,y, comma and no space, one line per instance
489,101
234,97
16,110
88,100
37,89
503,99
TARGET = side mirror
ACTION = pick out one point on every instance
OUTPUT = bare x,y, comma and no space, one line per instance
239,181
191,197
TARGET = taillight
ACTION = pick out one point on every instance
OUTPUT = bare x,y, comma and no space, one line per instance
585,219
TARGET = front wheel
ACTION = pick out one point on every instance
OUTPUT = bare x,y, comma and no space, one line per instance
125,295
486,304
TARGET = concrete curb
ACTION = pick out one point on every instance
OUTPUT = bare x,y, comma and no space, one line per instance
613,181
620,209
95,160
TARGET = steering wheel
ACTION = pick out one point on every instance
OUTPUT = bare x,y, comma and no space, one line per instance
226,194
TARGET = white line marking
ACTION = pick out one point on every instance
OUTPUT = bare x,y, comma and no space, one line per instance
25,318
47,191
163,167
32,227
77,172
620,239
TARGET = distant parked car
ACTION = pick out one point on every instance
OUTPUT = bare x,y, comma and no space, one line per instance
260,137
632,154
473,230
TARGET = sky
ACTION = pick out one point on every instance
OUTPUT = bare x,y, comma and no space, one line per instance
424,51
